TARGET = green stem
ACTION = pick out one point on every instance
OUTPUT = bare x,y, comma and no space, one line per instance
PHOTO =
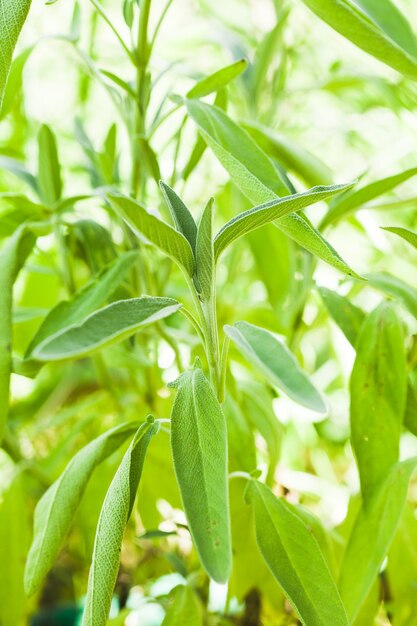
109,22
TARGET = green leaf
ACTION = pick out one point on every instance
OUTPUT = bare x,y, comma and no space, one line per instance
14,80
184,221
290,154
371,536
376,26
205,261
357,198
404,233
104,327
347,316
49,169
84,302
185,610
255,175
199,447
396,288
218,80
274,360
56,509
161,234
378,393
115,514
12,17
295,559
13,254
270,211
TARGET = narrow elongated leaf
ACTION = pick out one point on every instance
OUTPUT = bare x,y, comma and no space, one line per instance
371,536
107,326
347,316
295,559
199,448
161,234
358,198
13,254
218,80
185,610
85,301
12,17
49,169
378,393
376,26
114,516
404,233
275,361
292,155
184,221
396,288
205,261
255,175
270,211
56,509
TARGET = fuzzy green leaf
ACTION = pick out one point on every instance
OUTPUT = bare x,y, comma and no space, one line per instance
218,80
347,316
205,261
199,447
115,514
12,17
404,233
371,536
185,610
184,221
161,234
396,288
295,559
275,361
376,26
104,327
56,509
378,393
49,169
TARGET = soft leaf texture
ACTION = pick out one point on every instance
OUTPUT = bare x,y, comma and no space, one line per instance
115,514
255,175
358,198
13,254
404,233
185,610
49,169
347,316
396,288
184,221
154,230
270,211
376,26
104,327
12,17
295,559
205,261
199,448
85,301
371,536
56,509
275,361
218,80
378,393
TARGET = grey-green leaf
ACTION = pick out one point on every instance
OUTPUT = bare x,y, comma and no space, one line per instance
275,361
12,17
371,536
199,448
49,169
378,393
347,316
404,233
376,26
85,301
205,261
184,221
270,211
295,559
161,234
104,327
185,610
218,80
396,288
115,514
56,509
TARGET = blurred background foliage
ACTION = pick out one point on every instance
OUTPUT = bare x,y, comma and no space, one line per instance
321,109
